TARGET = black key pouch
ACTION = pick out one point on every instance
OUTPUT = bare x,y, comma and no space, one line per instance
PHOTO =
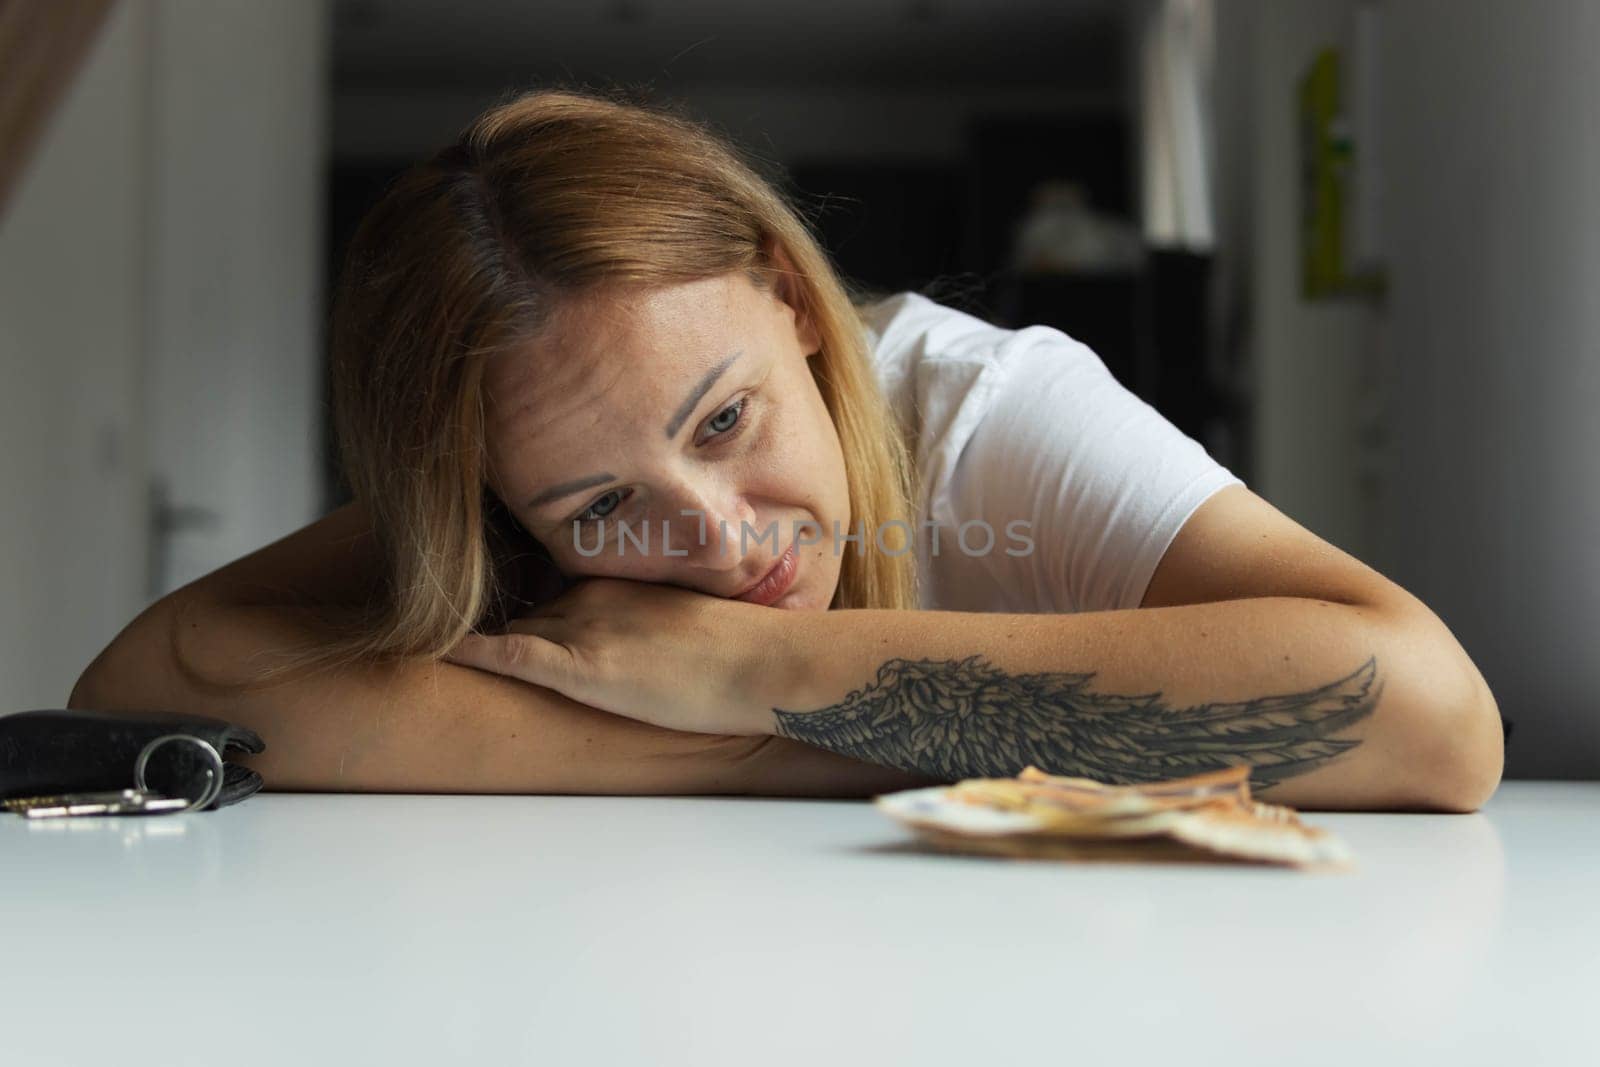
59,750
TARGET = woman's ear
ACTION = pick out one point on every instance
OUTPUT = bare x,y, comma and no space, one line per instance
790,288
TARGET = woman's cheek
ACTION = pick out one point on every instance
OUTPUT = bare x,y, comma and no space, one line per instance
788,451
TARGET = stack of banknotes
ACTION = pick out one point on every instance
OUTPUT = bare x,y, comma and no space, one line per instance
1037,815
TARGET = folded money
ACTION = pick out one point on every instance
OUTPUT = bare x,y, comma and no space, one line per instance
1206,816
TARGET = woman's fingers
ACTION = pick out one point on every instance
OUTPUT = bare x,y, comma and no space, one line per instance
528,656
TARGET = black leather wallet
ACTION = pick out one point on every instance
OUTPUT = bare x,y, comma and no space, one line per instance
60,750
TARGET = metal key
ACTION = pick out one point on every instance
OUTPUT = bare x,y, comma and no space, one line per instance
110,802
140,800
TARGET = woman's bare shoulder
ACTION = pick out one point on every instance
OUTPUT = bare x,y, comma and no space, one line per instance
333,560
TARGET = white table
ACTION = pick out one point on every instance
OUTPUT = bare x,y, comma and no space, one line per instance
297,929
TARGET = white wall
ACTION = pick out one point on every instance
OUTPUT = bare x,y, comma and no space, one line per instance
160,294
234,371
1313,361
1449,437
72,317
1492,515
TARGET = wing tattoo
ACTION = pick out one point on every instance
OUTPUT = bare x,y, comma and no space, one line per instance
966,718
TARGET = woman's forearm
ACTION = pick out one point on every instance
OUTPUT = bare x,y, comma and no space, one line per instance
434,727
1332,705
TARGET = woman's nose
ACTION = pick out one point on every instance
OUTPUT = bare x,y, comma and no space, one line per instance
705,531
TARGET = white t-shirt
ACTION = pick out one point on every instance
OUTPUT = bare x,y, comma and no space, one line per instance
1030,425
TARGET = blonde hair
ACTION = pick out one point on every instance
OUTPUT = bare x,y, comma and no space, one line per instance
552,194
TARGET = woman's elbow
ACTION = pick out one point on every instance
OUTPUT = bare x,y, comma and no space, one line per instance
1461,744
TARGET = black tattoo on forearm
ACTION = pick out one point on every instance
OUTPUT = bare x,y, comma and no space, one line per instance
966,718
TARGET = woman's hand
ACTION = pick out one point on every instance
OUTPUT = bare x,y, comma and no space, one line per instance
657,653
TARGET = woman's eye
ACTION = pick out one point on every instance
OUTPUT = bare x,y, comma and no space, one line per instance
726,419
596,512
719,424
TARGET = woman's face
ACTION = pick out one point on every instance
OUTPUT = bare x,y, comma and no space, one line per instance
689,405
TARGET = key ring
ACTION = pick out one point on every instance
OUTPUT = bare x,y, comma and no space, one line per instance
213,784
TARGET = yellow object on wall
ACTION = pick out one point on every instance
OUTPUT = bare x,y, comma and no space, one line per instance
1327,172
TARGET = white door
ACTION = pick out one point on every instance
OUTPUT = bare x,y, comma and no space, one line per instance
72,320
239,100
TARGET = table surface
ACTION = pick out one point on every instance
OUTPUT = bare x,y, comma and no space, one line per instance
617,930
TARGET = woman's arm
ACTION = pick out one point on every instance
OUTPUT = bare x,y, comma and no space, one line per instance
433,727
1259,643
1332,705
1270,648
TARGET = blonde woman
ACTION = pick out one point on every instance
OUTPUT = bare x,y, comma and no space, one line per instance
646,501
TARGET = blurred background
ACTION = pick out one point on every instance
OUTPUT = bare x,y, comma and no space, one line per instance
1350,247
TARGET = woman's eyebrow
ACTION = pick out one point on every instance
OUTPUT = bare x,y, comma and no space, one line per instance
706,382
556,492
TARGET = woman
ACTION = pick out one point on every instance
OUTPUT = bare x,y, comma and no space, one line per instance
617,432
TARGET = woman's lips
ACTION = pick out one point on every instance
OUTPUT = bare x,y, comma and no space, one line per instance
777,580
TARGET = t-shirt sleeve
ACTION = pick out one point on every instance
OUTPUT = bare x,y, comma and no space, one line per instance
1104,480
